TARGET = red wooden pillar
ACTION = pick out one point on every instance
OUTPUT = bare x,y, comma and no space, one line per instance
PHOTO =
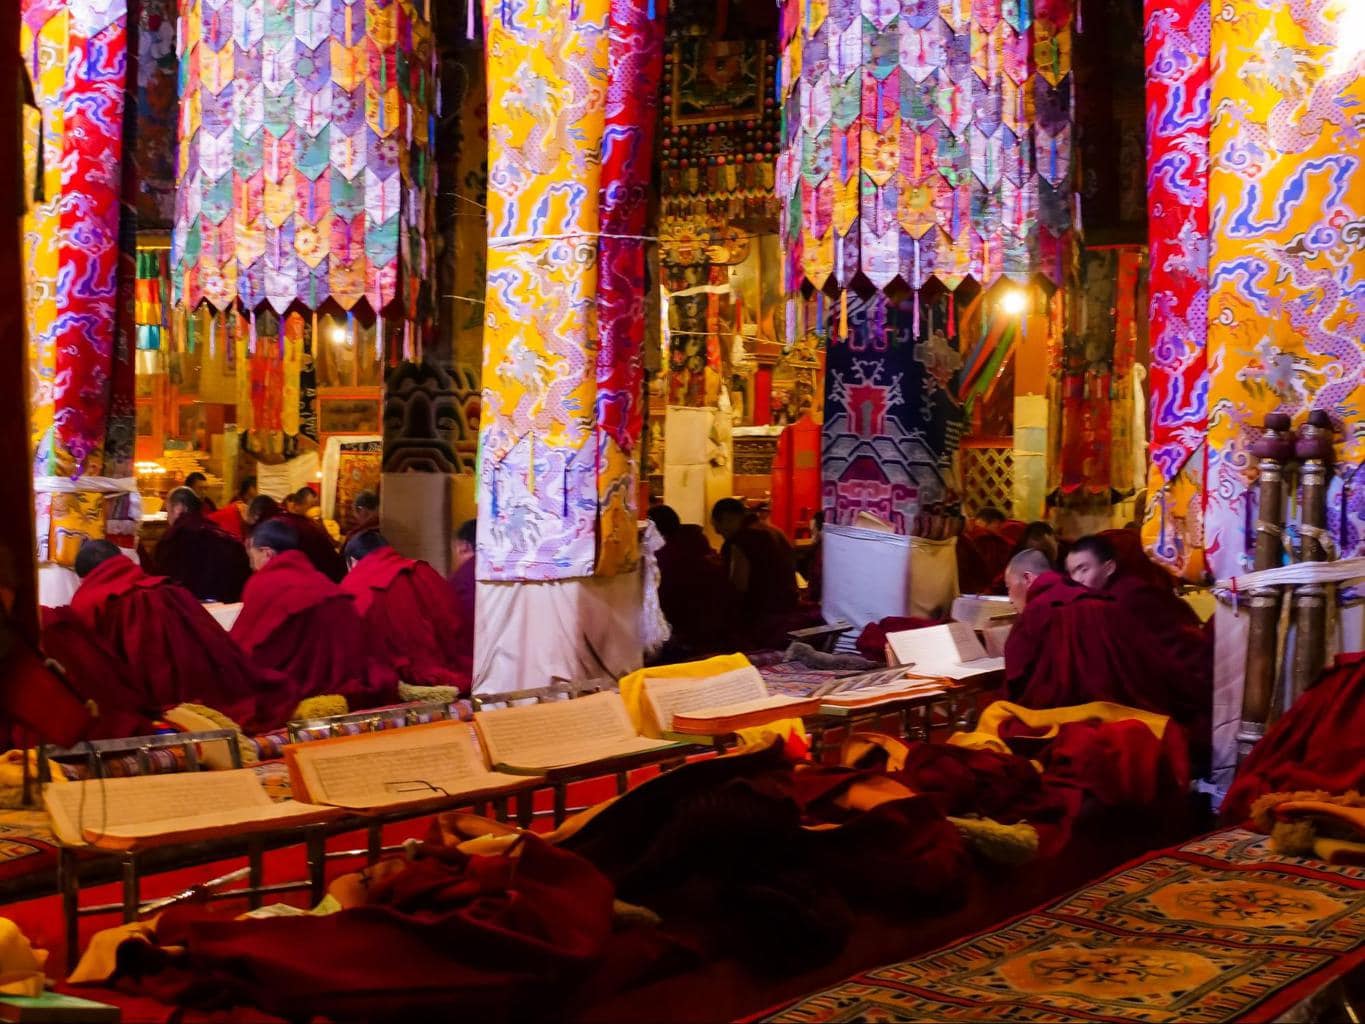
766,354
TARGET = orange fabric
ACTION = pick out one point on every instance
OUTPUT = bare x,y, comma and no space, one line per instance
796,476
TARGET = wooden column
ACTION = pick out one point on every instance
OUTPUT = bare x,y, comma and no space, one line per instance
1314,450
766,354
1274,448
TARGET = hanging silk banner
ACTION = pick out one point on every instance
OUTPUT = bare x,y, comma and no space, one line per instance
305,167
925,140
554,503
892,417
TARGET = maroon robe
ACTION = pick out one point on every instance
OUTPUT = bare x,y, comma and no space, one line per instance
203,558
175,649
1072,646
766,611
97,675
411,617
462,586
297,622
316,543
34,696
694,592
1318,744
230,520
1185,642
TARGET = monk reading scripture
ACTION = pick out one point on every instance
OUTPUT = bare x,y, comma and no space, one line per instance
409,613
198,554
296,621
1072,645
694,589
1185,644
762,571
314,541
175,650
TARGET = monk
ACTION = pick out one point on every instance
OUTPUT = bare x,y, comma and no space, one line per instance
762,573
198,554
364,513
463,585
1072,645
98,676
694,590
314,542
1093,562
232,516
175,650
295,621
199,484
409,612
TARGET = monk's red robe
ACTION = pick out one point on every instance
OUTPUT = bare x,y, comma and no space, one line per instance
411,617
1132,560
1184,640
1072,646
297,622
229,519
981,561
203,558
316,543
767,610
694,592
34,696
175,649
1318,744
99,676
462,586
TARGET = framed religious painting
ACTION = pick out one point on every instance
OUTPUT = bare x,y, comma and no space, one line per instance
718,80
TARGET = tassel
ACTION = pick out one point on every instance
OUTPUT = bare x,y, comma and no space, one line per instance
914,323
469,19
952,317
791,323
649,13
843,315
213,334
379,340
251,335
819,313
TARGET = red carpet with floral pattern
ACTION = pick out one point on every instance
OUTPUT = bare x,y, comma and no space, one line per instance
1218,929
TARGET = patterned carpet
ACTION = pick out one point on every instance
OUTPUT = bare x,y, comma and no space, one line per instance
1219,929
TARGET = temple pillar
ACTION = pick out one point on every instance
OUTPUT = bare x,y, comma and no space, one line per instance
559,590
1031,420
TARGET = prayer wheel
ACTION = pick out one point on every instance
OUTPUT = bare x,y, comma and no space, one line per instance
1314,451
1274,448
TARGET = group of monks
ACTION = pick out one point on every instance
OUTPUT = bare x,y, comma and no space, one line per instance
315,621
743,597
1107,628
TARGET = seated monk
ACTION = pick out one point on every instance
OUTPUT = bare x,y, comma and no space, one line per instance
175,650
1072,645
232,516
199,555
1092,562
98,676
314,541
364,514
462,586
693,588
296,621
762,571
199,484
409,612
304,502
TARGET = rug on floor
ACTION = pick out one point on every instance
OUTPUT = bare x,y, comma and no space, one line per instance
1219,929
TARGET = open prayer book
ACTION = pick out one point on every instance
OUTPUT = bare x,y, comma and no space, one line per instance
876,688
148,810
951,650
720,704
394,767
536,738
983,610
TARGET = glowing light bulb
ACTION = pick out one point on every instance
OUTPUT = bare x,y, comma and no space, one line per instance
1014,302
338,335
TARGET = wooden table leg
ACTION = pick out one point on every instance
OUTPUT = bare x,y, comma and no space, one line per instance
131,896
68,880
255,853
317,865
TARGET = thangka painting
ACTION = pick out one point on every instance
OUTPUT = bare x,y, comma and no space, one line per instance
717,80
892,416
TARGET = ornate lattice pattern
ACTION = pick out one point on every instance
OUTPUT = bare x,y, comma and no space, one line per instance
988,478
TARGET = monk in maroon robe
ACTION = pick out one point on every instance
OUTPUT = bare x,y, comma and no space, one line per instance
762,570
314,540
462,586
295,621
694,590
176,651
198,554
1184,642
364,515
1072,645
98,676
409,612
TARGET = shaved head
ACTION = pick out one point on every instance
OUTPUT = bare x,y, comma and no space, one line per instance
1023,569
